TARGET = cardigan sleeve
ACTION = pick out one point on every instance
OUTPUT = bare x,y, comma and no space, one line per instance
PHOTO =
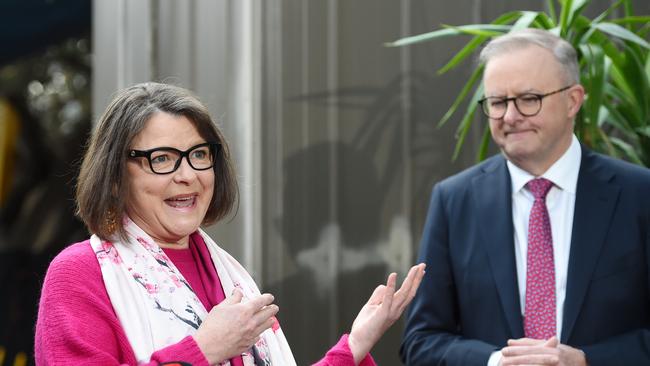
341,355
76,322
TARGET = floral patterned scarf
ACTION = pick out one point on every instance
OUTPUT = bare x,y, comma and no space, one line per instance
156,305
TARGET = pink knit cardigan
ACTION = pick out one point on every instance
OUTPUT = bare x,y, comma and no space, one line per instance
77,325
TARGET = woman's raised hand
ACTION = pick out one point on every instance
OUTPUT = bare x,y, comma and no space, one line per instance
383,308
232,327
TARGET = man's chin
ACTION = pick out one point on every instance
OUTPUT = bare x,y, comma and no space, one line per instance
519,154
518,150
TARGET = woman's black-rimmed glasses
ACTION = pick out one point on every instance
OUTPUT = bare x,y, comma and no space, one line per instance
528,104
165,160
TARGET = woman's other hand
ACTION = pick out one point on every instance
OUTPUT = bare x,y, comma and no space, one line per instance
383,308
232,327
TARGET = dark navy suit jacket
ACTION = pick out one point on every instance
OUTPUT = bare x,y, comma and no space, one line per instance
468,303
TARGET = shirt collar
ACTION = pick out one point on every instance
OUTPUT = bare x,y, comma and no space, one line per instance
563,173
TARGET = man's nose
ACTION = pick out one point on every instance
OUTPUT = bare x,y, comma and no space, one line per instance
512,114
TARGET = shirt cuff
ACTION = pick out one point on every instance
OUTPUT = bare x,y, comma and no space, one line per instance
495,358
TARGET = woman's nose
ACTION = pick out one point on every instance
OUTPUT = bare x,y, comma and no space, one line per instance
184,172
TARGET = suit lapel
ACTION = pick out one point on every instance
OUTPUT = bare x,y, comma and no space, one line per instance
594,207
494,195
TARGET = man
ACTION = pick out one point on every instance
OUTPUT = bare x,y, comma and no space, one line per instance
540,255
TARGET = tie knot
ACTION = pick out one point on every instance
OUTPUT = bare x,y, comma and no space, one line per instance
539,187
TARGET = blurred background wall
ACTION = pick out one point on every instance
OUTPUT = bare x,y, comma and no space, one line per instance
334,136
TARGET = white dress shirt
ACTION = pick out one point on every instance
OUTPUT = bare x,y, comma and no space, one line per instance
560,203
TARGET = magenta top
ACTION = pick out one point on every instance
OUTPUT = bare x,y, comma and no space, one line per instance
195,265
77,324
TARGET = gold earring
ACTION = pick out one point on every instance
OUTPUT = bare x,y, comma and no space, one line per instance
110,222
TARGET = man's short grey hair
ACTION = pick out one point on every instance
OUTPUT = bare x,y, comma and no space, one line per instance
563,51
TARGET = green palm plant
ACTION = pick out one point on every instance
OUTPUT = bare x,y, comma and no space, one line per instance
614,59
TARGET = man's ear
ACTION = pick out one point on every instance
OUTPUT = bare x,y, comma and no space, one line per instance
576,97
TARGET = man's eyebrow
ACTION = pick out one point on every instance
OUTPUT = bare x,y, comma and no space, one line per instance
525,91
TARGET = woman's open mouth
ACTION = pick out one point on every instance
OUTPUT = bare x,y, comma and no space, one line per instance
181,201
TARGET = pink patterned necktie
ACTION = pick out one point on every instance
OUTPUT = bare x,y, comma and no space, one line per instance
539,314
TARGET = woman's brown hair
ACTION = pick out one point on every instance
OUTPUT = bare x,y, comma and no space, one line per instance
102,187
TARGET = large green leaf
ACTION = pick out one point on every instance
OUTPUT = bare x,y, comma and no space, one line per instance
551,10
577,6
620,32
476,76
485,143
565,16
627,149
527,18
617,121
613,88
627,7
466,122
469,48
507,18
605,14
622,102
595,36
634,77
581,31
446,32
645,131
605,144
593,79
479,30
644,20
545,22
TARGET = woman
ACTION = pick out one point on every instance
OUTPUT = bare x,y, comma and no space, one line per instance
149,287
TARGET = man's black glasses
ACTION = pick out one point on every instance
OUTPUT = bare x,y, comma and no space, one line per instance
528,104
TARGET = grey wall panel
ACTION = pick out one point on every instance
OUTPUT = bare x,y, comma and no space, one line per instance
344,221
122,47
